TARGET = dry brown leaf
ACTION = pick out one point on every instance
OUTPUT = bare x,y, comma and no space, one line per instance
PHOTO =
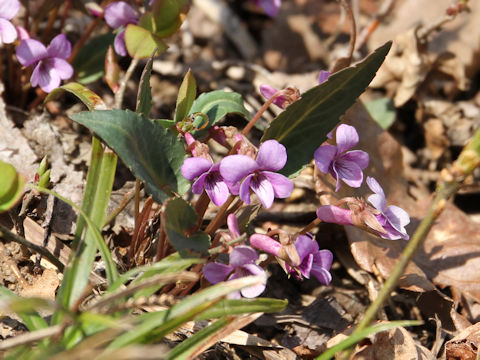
465,345
43,286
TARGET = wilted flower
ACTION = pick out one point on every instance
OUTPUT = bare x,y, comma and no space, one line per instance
259,174
120,14
392,218
8,9
312,260
340,163
208,177
241,264
50,64
270,7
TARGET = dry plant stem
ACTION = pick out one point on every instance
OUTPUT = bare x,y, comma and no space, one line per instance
384,10
79,44
260,112
65,11
51,20
201,206
310,226
162,239
120,94
219,218
353,31
126,199
31,337
137,199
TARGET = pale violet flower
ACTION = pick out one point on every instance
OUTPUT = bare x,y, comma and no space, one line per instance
118,15
50,64
260,174
340,163
392,218
207,177
241,264
8,9
271,7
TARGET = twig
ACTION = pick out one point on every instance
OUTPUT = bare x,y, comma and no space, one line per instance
30,337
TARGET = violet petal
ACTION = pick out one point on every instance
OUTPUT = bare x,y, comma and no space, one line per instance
265,243
306,266
323,76
9,8
324,156
216,189
59,47
271,7
399,213
349,172
282,186
245,189
235,167
8,33
334,214
378,201
305,245
45,76
375,186
255,290
242,255
61,66
272,155
347,137
120,14
31,51
264,190
359,157
321,274
195,166
216,272
199,184
232,224
119,43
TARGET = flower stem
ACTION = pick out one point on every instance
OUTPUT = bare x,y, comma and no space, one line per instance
120,94
219,218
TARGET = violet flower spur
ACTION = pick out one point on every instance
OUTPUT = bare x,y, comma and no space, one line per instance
120,14
241,264
208,178
50,64
312,260
340,163
259,175
392,218
8,9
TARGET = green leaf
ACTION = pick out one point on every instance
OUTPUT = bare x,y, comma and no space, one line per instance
382,111
90,62
304,125
186,96
144,98
152,153
180,219
166,123
355,338
216,104
141,43
91,100
166,17
230,307
11,186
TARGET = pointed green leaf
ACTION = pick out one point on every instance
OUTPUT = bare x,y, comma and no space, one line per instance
186,96
180,219
152,152
141,43
89,64
91,100
144,98
11,186
304,125
216,104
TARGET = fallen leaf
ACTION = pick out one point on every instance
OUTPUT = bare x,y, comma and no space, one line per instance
465,345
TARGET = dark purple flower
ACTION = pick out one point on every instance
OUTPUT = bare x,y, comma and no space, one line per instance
312,260
8,9
241,264
119,15
50,64
208,178
392,218
271,7
259,175
340,163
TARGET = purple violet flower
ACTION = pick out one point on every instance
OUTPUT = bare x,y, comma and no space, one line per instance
241,264
208,178
50,64
259,174
271,7
392,218
340,163
8,9
312,260
268,91
120,14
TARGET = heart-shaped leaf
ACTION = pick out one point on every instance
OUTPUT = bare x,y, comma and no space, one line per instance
216,104
180,219
141,42
152,152
304,125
